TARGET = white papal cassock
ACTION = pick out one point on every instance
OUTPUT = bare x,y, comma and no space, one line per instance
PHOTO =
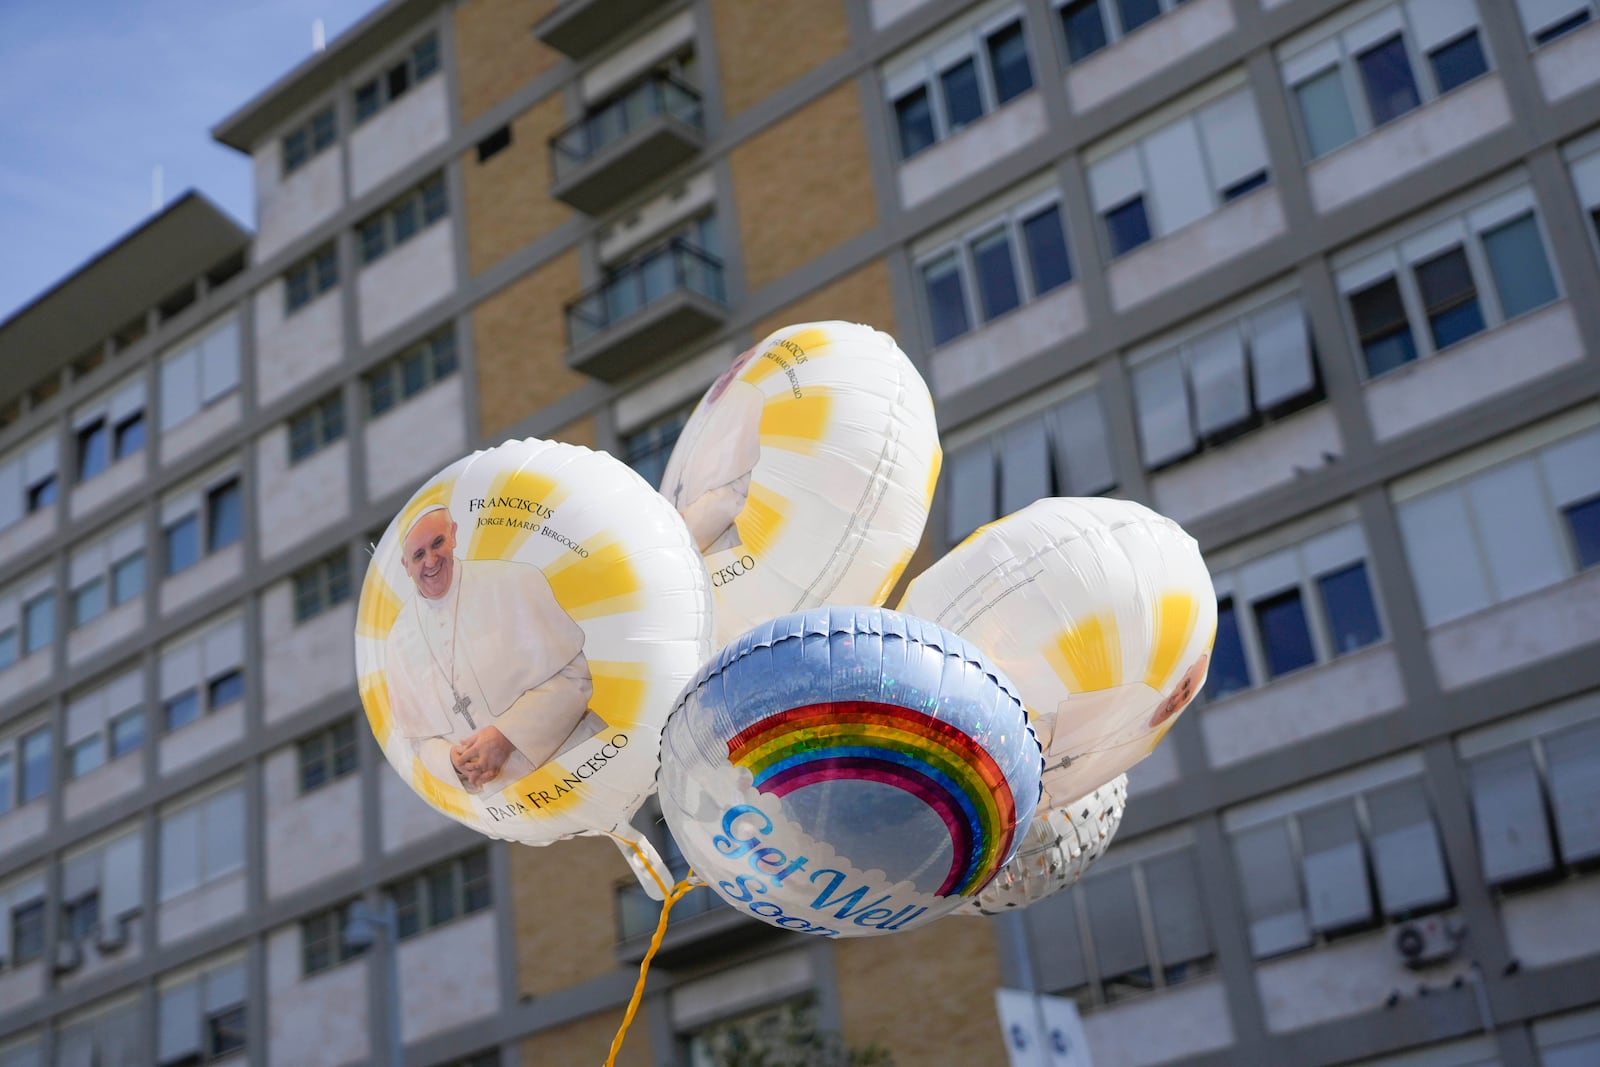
513,653
708,479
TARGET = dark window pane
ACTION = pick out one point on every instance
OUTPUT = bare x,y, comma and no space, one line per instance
1562,28
413,374
225,689
35,765
1382,326
1458,62
323,130
408,912
302,437
1391,87
1047,250
425,56
297,289
1008,56
27,932
94,449
444,355
380,392
1325,110
1136,13
398,80
295,151
38,623
327,270
434,204
42,494
1352,614
1521,270
1085,28
997,274
127,578
88,602
127,733
1584,522
1450,297
441,895
225,1031
963,103
1128,226
914,117
1229,672
181,710
1281,622
224,516
130,435
1248,184
406,221
366,101
947,302
183,544
373,241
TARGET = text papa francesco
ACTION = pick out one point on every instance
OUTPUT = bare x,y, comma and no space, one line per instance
565,786
772,866
724,575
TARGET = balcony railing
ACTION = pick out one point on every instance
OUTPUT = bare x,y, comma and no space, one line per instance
673,267
658,96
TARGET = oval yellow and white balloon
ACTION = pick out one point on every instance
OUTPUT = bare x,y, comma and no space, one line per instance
1103,614
525,624
806,472
1059,846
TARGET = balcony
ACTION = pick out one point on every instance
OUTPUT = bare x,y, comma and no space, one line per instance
665,298
576,28
701,925
625,144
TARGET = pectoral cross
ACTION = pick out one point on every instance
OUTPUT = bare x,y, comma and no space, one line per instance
460,708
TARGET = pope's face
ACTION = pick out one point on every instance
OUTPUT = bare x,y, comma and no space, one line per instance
720,386
429,554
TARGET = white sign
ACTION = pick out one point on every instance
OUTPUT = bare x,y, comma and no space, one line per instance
1041,1031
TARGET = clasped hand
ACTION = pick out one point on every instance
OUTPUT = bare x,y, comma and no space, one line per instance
479,758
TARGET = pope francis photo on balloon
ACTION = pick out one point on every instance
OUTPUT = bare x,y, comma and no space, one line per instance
486,672
708,477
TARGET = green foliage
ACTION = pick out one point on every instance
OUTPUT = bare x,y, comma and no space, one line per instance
786,1035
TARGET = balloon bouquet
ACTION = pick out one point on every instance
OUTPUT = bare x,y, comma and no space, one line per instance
538,650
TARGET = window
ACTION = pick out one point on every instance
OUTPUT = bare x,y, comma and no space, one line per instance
327,756
1351,856
42,493
1292,609
86,756
202,842
8,647
202,672
309,139
441,893
80,918
399,379
959,82
1089,25
997,266
1503,531
322,942
316,427
494,144
1352,80
202,1017
94,449
1179,173
181,709
310,278
1546,20
28,478
128,435
402,220
321,586
1458,278
1125,930
1062,451
1533,800
201,372
35,778
224,689
1224,382
648,448
127,732
419,63
224,515
107,572
27,933
219,499
38,623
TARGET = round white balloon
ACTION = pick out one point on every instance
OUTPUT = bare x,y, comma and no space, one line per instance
1060,845
806,472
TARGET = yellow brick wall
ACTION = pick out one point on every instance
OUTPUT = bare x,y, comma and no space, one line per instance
803,186
562,904
763,45
587,1041
508,195
578,432
924,995
860,296
496,50
521,345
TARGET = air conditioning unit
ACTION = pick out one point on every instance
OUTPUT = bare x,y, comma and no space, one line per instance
69,957
1426,942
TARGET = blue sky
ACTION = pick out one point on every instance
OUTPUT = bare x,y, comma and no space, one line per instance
97,93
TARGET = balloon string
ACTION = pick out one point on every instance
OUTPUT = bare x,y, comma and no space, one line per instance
644,965
643,861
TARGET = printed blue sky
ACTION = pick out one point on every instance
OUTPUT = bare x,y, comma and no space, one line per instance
97,93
